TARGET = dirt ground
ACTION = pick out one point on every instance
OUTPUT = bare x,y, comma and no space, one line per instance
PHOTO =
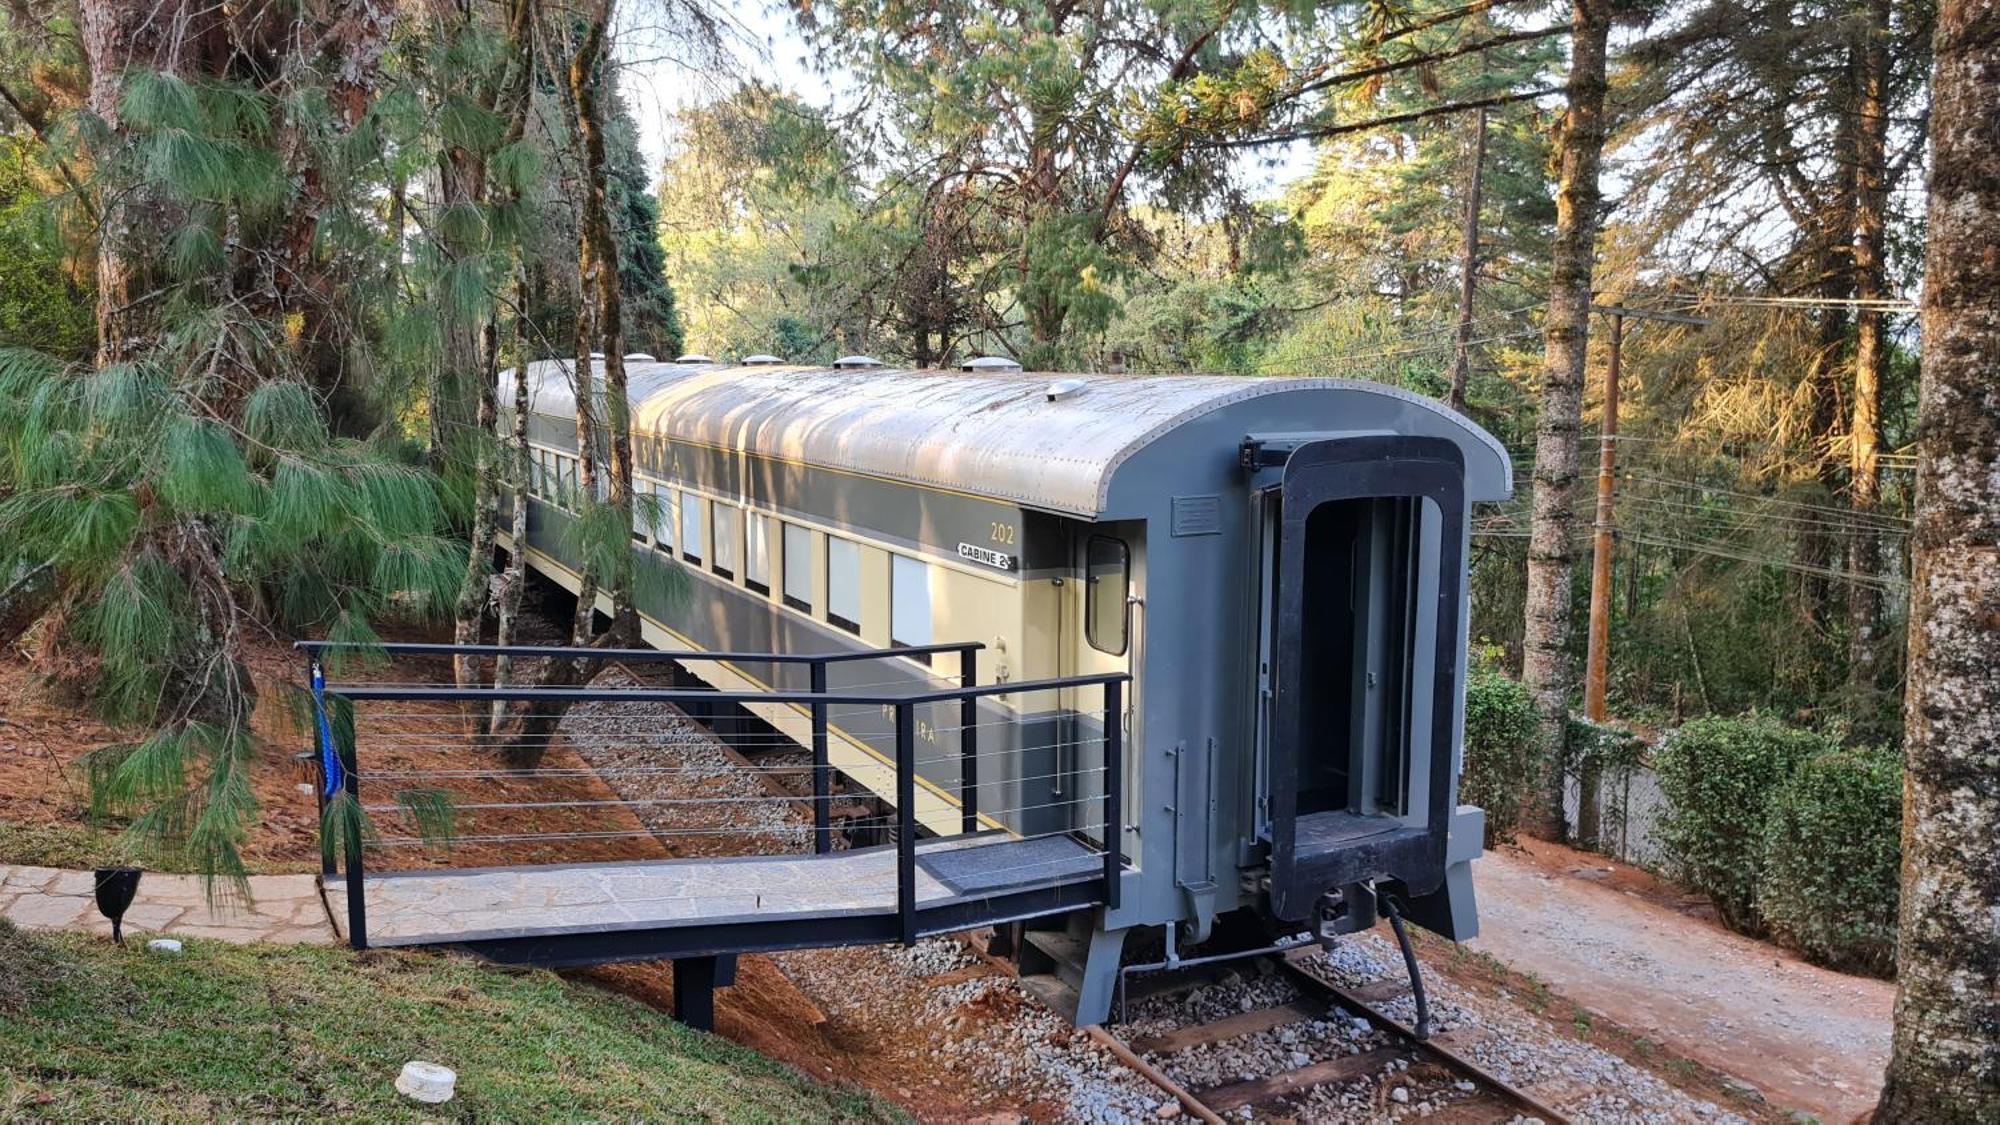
1619,943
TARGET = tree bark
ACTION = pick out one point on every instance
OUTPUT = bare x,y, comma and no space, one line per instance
513,580
118,37
1864,475
602,249
1945,1056
510,95
1546,664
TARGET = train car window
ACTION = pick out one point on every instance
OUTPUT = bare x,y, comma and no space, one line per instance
1107,569
690,527
663,531
538,475
757,552
727,539
565,481
909,604
798,548
843,583
642,510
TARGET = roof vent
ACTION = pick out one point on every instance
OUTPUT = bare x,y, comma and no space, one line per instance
761,360
990,363
639,357
853,361
693,357
1063,390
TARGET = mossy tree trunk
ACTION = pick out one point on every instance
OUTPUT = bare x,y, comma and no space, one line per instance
1945,1061
1871,354
1546,666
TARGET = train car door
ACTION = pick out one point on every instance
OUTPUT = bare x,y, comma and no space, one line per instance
1103,631
1363,561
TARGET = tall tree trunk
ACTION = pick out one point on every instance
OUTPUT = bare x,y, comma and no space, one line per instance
597,321
1864,472
476,592
510,96
119,38
1546,664
583,625
1944,1064
513,580
602,249
1468,261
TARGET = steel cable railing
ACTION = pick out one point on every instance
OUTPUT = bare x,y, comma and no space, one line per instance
421,734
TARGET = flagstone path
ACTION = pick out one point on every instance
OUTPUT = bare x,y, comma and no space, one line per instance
279,908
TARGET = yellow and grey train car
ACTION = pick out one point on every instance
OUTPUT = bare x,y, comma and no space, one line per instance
1278,563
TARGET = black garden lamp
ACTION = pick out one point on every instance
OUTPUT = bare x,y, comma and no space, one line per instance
116,887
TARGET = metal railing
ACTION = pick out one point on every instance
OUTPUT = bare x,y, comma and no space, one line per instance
338,768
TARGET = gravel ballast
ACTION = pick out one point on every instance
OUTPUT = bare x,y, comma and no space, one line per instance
945,1012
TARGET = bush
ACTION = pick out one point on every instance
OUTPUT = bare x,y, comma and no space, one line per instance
1503,750
1719,776
1832,849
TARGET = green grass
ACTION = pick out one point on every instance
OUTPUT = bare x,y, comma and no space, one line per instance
92,1031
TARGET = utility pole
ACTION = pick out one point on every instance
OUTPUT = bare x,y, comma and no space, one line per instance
1597,655
1461,361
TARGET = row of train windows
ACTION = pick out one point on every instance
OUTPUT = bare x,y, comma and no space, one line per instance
741,543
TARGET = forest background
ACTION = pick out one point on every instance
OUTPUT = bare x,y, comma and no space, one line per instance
298,250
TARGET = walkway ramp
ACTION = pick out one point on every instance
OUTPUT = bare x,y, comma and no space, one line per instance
391,754
568,915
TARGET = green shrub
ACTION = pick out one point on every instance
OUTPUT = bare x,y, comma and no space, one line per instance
1503,750
1832,848
1719,776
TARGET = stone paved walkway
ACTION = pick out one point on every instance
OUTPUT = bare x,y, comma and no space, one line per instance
280,908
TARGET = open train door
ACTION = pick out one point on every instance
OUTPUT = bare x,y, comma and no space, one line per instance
1367,565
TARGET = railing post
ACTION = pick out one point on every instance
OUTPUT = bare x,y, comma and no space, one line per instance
968,741
316,678
1114,783
906,822
357,908
822,769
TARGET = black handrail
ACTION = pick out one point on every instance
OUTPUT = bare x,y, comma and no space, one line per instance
816,701
635,655
703,695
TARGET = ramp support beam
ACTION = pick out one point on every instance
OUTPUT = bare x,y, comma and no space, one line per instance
695,982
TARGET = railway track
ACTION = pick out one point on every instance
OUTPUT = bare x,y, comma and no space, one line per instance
1477,1096
1464,1091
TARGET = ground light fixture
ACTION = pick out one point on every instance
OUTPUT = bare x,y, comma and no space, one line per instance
116,887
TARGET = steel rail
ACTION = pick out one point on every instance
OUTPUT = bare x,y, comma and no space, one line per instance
1440,1052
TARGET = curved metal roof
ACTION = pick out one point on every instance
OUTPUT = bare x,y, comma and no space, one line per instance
997,434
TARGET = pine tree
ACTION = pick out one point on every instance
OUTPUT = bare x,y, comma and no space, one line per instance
1945,1060
1548,667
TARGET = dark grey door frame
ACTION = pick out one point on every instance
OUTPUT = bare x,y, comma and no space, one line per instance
1371,467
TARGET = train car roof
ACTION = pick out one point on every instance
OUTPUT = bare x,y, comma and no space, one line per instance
1050,441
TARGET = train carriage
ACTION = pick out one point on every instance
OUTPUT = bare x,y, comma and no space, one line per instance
1279,564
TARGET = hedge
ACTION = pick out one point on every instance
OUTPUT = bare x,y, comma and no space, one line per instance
1719,776
1831,853
1503,750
